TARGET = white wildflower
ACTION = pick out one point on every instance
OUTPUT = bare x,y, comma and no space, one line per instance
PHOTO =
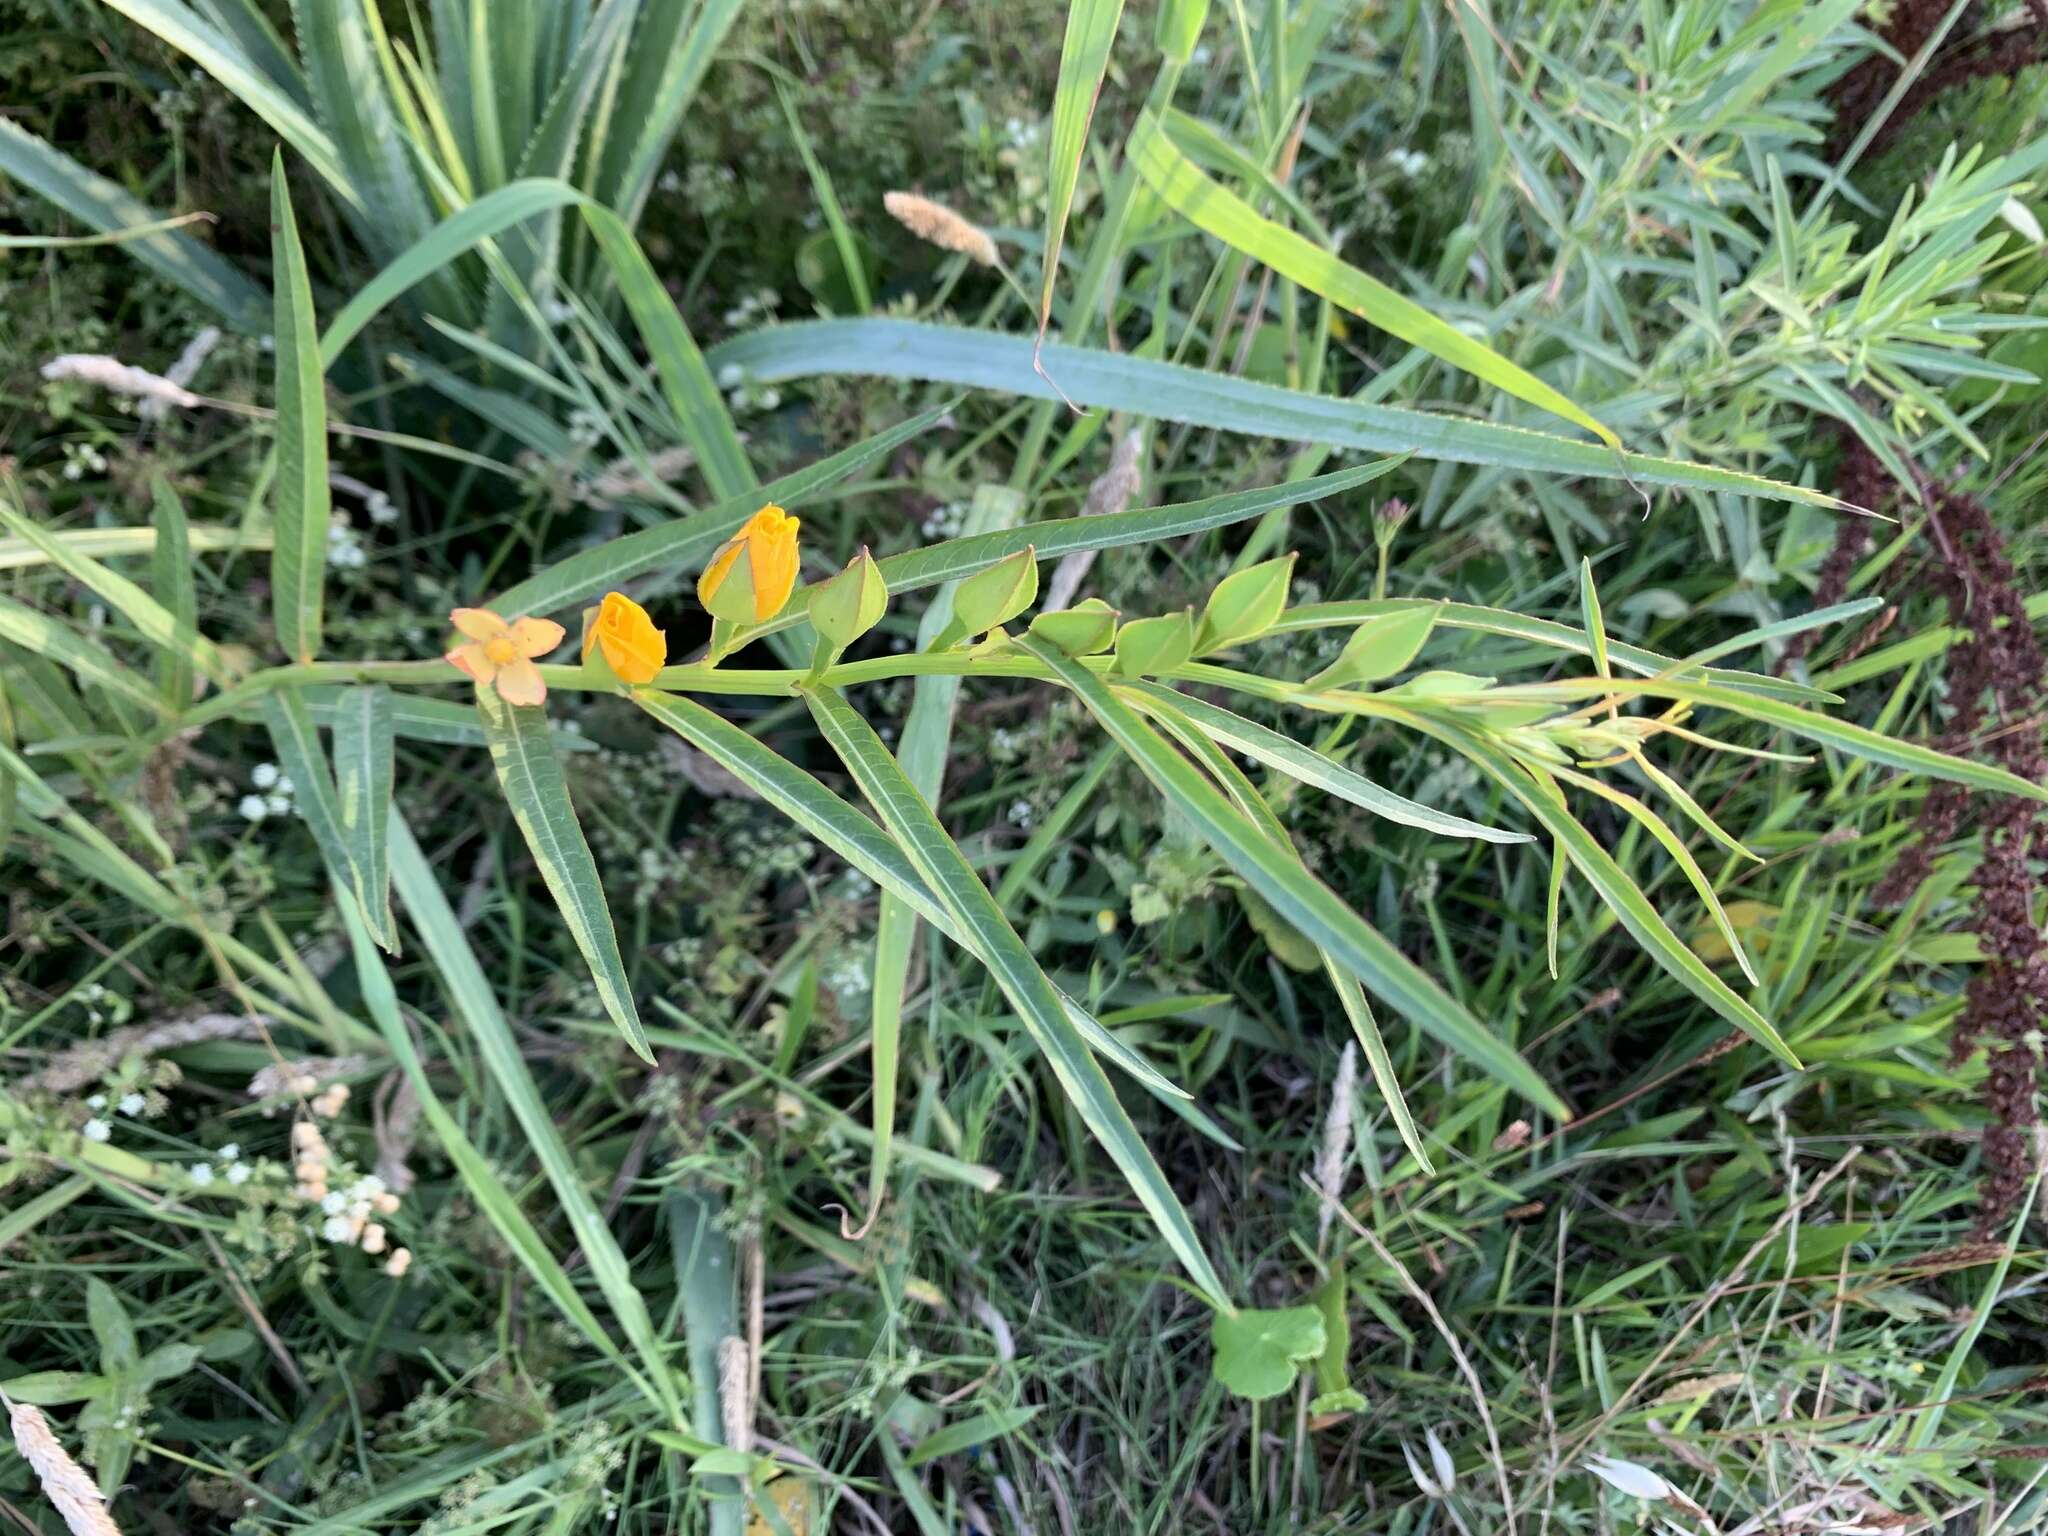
97,1130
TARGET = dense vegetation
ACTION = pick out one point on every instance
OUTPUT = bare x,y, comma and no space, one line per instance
1235,766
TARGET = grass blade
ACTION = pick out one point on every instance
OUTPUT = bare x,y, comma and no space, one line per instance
538,792
1039,1007
154,622
105,206
1118,381
1216,210
484,1182
364,722
1296,894
298,561
171,579
477,1008
1084,55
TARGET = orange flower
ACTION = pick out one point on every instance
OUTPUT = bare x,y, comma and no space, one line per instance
633,648
751,576
500,654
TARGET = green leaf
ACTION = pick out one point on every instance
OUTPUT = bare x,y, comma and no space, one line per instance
1296,894
1245,605
298,561
175,588
1622,895
1086,629
1039,1006
1357,1012
855,838
1084,55
349,90
1218,211
1378,648
296,741
685,380
154,622
538,793
112,1327
105,206
1146,647
1121,381
364,722
993,596
483,1181
978,1430
47,637
1561,637
1259,1350
1311,767
477,1009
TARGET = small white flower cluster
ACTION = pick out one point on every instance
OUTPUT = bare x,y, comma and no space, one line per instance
81,459
99,1127
945,520
230,1158
273,795
378,507
586,427
1409,162
744,395
761,304
345,550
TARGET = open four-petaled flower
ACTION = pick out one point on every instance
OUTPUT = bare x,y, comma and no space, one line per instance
500,653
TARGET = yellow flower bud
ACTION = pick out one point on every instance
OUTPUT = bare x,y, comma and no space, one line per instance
632,647
753,573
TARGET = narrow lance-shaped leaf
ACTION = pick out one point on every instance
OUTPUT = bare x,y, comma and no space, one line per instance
477,1007
171,580
152,620
298,559
1621,894
364,722
1296,894
483,1180
296,741
538,793
1084,55
953,880
1350,996
855,838
1290,757
1218,211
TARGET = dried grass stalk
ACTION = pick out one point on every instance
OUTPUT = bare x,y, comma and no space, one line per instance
67,1485
941,226
110,373
72,1069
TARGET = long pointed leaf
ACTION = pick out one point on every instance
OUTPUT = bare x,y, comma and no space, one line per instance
1120,381
538,792
946,870
298,560
1218,211
364,722
1297,895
